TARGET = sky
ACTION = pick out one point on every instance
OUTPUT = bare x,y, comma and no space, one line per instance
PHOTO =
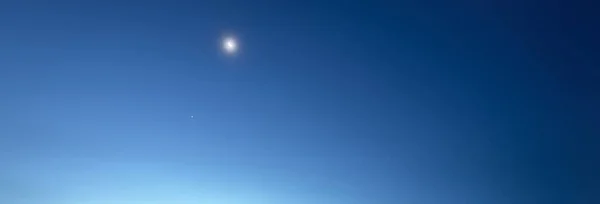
325,102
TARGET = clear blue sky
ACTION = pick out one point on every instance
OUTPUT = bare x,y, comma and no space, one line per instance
327,102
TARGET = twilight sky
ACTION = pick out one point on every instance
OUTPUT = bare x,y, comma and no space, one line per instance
326,102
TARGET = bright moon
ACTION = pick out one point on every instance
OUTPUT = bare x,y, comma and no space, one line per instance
230,45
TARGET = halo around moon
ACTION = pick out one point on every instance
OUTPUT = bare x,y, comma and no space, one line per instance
230,45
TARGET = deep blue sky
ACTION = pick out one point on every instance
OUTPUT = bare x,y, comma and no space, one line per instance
379,102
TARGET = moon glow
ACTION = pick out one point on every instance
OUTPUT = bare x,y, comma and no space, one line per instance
230,45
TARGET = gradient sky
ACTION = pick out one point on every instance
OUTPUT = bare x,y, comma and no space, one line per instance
328,102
